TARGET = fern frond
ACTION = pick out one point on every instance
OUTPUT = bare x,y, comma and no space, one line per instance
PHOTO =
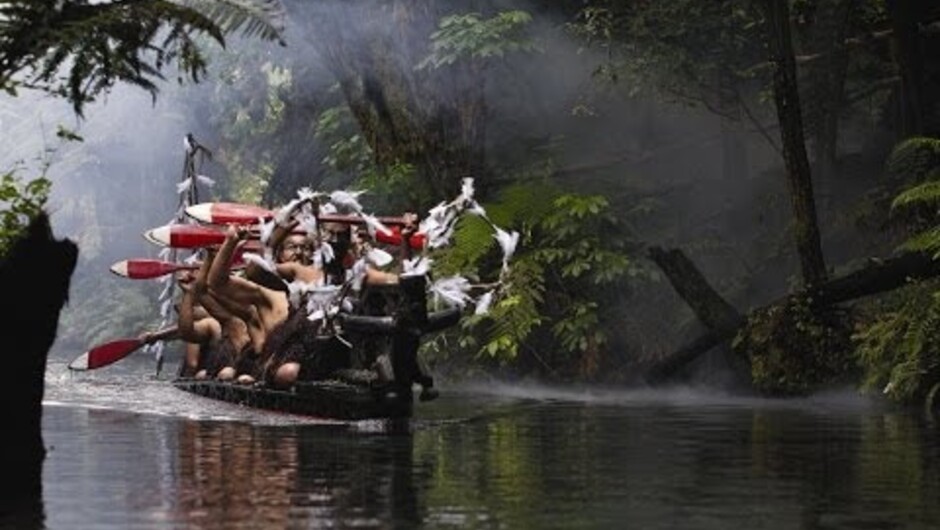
913,158
926,193
265,19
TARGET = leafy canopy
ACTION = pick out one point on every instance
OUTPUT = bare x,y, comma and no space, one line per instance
78,49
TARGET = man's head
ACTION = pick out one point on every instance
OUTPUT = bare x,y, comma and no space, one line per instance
338,235
295,248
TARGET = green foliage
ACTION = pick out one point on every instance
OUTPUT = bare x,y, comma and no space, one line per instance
795,348
20,203
899,351
348,150
681,49
78,49
916,163
563,284
912,159
392,187
470,36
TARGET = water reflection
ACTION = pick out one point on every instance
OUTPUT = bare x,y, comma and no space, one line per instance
515,464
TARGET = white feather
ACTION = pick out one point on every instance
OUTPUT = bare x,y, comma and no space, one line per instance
306,194
166,289
165,307
328,209
205,181
267,228
308,223
374,225
379,257
452,291
158,350
323,254
285,212
441,237
164,253
184,185
357,273
347,200
483,303
507,242
466,191
251,257
475,209
418,266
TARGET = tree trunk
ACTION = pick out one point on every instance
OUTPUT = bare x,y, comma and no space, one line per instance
431,118
799,180
713,310
733,151
827,82
908,55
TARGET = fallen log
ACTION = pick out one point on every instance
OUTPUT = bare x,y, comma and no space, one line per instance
880,275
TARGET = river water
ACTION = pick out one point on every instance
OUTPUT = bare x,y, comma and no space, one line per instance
127,450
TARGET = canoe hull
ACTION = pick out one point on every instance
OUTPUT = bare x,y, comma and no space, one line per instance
319,399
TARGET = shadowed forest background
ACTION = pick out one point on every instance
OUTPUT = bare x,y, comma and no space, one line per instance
779,146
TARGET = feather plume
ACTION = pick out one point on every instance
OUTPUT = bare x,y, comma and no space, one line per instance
251,257
373,225
267,228
507,242
475,209
306,194
284,213
165,307
166,288
308,223
183,185
379,257
483,303
323,254
452,291
418,266
466,191
347,200
205,181
157,349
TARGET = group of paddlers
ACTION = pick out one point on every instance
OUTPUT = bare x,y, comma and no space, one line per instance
258,314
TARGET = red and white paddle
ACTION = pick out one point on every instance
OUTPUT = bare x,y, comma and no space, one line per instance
228,213
185,236
146,269
105,354
246,214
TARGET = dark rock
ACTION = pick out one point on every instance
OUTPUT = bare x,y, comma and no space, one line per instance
35,276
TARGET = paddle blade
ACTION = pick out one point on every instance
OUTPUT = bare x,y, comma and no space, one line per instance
145,269
228,212
185,236
105,354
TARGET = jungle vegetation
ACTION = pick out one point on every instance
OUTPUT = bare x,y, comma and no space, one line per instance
748,156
